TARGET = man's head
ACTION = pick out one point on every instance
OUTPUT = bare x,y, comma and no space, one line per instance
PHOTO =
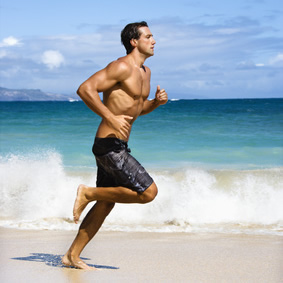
131,31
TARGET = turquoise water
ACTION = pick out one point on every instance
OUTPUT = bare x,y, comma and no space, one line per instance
217,164
244,133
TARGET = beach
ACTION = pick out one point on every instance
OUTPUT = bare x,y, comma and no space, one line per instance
218,216
34,256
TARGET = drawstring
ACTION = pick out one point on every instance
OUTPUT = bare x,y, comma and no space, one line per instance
123,145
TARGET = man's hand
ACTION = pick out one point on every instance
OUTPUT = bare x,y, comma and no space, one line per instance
161,96
120,123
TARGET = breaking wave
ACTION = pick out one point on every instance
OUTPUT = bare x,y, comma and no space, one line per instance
38,193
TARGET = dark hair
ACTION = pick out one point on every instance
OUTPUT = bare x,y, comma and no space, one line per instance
131,31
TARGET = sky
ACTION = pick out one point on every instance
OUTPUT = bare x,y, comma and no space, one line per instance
204,49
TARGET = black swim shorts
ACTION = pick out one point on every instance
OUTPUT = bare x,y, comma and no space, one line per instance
117,167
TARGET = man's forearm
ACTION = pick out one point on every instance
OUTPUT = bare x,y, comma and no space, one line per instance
93,101
149,106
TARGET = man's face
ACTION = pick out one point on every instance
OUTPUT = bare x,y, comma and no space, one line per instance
146,42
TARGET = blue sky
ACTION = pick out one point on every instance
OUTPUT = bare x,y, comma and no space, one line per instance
204,49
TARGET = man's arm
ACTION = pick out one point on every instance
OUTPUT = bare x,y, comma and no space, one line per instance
102,81
160,99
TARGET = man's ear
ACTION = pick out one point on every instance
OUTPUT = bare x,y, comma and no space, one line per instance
133,42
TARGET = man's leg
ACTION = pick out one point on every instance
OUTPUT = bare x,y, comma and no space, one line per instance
87,194
89,227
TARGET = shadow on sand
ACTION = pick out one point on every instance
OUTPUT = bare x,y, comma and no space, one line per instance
55,260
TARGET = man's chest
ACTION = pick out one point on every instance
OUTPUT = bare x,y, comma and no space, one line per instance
137,85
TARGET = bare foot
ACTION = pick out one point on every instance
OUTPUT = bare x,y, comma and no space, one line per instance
67,261
80,202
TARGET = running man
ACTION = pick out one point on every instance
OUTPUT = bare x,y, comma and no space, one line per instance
125,84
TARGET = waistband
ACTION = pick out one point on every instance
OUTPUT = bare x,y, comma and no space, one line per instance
102,146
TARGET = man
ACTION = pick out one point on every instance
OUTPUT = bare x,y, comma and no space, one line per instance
125,84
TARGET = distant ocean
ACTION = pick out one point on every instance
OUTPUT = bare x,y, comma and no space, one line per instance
218,165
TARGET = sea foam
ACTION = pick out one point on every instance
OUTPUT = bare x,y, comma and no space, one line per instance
38,192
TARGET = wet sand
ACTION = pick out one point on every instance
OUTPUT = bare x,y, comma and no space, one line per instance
34,256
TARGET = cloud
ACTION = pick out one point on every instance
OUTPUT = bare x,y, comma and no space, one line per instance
229,58
3,54
9,41
228,31
277,60
52,59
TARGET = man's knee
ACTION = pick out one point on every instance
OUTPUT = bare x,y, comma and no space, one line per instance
149,194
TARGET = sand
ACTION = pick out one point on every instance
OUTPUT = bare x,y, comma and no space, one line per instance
34,256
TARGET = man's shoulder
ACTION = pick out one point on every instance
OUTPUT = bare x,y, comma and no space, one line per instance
120,67
121,62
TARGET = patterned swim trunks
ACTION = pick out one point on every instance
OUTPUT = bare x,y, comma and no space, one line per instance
117,167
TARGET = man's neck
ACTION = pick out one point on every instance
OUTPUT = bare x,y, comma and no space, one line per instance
137,58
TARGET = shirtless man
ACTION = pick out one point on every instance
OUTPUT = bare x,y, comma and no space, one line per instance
125,84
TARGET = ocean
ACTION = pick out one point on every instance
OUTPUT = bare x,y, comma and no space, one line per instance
218,166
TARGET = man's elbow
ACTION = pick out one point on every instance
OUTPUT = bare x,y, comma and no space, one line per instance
86,90
80,91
